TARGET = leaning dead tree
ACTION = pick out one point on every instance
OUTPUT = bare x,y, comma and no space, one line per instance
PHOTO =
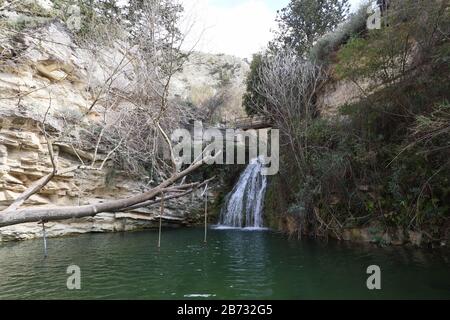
134,121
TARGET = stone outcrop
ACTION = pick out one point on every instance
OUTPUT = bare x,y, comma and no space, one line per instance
337,93
206,76
24,159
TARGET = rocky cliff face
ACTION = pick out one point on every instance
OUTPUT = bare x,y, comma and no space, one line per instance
336,94
24,158
29,94
214,83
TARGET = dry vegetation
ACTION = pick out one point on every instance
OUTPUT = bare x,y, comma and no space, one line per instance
132,109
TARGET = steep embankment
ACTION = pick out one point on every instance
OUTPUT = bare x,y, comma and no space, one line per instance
376,169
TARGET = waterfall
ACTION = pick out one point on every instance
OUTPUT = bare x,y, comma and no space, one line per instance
245,203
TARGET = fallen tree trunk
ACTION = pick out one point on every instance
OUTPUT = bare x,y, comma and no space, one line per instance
8,218
158,200
192,187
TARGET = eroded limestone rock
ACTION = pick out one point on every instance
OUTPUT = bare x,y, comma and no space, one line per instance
25,94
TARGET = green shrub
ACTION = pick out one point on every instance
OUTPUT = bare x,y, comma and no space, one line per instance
353,27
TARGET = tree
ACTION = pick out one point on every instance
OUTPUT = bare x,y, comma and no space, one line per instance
252,101
303,22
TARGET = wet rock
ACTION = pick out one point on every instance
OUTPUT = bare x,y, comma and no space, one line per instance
415,238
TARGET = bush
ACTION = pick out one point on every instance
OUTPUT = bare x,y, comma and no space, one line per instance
353,27
408,40
303,22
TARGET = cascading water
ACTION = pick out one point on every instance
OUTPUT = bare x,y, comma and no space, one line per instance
245,203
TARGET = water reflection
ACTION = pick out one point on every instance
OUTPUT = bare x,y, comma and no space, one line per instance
246,260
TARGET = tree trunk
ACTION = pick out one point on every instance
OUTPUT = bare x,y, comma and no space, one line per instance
60,213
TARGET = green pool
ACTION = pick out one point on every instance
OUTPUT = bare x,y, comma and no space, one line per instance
235,264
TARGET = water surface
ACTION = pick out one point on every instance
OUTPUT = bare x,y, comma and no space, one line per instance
234,264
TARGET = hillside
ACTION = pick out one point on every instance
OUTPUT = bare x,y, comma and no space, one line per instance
372,154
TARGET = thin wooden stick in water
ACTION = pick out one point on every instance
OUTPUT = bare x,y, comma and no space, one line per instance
45,239
160,219
206,212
